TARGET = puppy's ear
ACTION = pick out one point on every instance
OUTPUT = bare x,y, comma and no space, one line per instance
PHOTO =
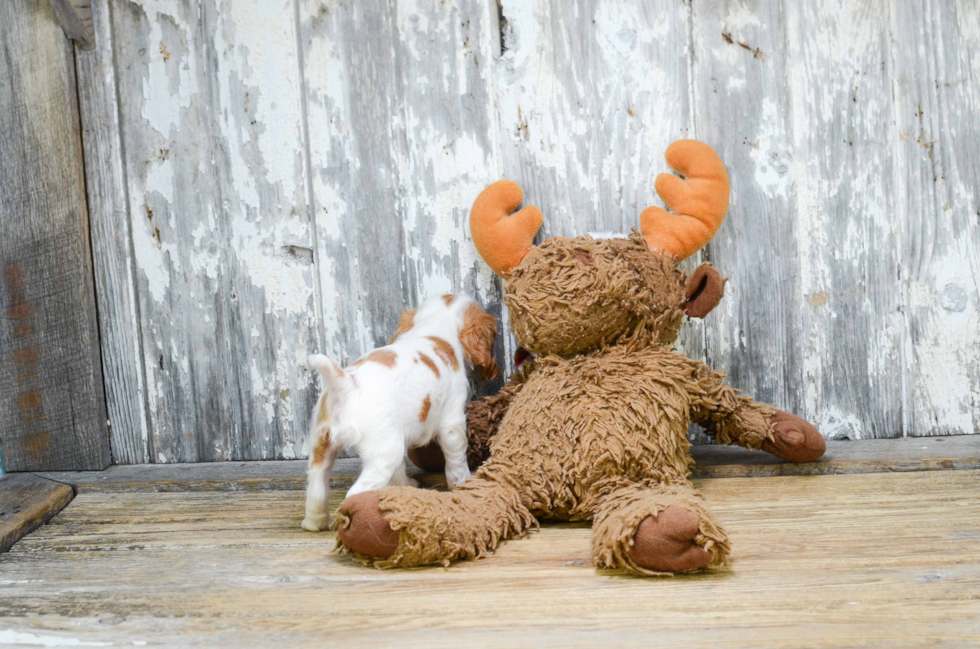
477,337
405,322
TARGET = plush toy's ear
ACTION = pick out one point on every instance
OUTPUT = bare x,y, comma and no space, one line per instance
705,288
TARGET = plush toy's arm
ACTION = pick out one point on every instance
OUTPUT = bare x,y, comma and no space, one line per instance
483,415
734,418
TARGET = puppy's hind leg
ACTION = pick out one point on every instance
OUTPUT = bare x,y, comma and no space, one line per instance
380,466
453,442
322,456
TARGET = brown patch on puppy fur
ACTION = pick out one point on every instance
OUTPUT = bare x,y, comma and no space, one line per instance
405,322
477,336
448,298
428,362
426,404
384,357
322,415
445,351
321,448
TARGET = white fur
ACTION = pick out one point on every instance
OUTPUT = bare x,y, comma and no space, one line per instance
375,410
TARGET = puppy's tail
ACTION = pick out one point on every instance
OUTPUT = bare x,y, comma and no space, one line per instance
335,379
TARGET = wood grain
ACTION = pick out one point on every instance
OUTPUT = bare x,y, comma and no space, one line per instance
848,241
742,109
75,17
937,116
886,560
309,165
213,133
52,407
870,456
119,324
28,501
401,140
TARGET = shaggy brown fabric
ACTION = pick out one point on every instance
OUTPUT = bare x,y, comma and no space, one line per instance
560,305
482,418
435,526
595,428
794,439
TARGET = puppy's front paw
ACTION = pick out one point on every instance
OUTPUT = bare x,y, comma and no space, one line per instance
456,477
315,522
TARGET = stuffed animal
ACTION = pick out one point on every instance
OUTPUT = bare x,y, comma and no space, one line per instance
595,427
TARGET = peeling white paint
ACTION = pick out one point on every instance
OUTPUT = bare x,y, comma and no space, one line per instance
217,149
170,85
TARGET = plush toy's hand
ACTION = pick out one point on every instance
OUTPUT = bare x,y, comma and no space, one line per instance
795,439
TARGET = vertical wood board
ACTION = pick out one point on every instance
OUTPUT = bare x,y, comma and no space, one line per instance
295,173
119,326
742,110
848,240
937,150
52,407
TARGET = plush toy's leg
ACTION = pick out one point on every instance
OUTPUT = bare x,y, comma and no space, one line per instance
413,527
654,529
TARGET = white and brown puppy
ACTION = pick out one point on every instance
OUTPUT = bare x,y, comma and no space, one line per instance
400,396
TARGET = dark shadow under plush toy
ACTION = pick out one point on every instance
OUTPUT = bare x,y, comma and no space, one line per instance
595,428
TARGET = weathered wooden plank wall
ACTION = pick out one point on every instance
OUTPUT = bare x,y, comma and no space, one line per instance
280,177
52,410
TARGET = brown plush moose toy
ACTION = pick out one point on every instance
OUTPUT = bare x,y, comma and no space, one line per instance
595,427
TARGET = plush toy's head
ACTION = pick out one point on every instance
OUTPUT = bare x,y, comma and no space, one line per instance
569,296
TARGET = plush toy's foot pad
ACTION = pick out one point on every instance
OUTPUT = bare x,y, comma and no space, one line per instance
795,439
367,531
666,542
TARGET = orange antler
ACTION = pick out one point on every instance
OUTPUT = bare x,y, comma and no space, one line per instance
502,238
697,203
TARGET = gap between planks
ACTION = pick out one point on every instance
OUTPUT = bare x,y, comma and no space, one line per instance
842,457
882,560
27,502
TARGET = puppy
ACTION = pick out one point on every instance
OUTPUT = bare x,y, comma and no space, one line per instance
400,396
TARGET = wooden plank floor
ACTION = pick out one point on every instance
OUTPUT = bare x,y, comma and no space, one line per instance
847,560
712,461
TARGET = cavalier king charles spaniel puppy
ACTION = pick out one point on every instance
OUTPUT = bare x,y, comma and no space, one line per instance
403,395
